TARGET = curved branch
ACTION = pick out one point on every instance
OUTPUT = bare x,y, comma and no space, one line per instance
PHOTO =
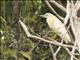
54,10
42,39
58,5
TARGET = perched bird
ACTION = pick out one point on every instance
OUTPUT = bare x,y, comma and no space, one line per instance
57,26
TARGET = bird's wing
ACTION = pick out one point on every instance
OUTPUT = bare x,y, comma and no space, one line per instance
61,30
59,27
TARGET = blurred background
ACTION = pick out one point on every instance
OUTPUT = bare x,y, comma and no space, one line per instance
14,44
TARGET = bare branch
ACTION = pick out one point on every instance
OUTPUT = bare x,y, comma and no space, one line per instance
54,57
68,12
73,20
69,52
42,39
48,4
77,4
58,5
58,49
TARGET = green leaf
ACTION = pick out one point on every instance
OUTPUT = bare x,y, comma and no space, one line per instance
26,54
9,52
2,19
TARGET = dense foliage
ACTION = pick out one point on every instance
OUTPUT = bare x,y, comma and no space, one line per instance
14,44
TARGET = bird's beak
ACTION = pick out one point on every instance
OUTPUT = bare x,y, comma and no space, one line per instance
43,16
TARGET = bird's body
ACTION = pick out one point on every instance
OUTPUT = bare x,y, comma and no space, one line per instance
55,24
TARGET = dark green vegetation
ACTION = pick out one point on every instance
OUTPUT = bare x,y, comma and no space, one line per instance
14,44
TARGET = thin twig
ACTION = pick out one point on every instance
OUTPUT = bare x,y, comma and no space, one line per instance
68,12
35,46
58,5
76,4
54,57
69,52
58,49
42,39
73,28
48,4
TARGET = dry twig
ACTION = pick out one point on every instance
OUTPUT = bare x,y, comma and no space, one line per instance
58,5
48,4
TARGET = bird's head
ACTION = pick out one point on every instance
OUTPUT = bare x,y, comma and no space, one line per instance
46,15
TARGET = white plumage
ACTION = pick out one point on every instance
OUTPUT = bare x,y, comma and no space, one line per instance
58,26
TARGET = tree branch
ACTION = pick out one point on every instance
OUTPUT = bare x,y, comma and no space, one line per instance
42,39
48,4
58,5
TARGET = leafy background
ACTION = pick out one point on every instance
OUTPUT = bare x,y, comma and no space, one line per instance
27,48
